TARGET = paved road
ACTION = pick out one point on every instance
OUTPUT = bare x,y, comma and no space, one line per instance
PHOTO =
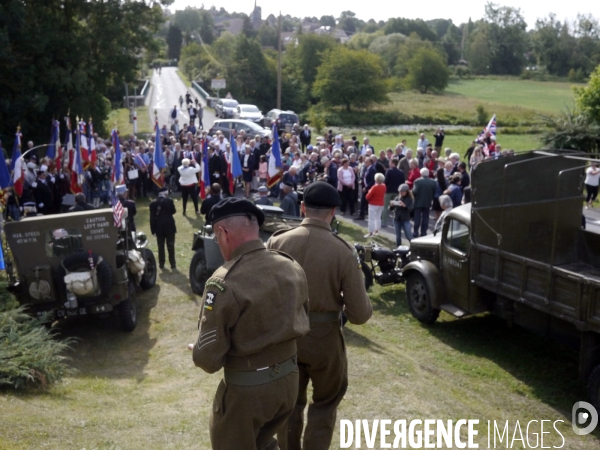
167,87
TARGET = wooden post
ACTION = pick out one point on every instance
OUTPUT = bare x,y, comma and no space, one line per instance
279,63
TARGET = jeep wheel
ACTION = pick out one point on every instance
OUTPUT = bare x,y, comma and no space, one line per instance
368,275
594,387
128,309
149,277
419,301
198,272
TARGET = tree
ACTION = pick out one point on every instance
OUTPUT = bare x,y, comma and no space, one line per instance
327,21
57,55
427,70
174,41
478,54
248,29
310,54
267,36
187,20
506,31
408,26
350,78
207,27
588,97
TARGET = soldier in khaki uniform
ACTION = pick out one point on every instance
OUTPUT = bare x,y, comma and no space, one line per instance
255,306
335,283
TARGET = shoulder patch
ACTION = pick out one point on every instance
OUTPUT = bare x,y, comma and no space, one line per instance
215,283
355,255
209,301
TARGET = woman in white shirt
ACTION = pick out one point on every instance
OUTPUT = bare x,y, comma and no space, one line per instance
592,179
188,181
346,177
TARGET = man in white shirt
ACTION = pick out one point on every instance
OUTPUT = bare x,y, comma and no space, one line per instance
366,146
422,142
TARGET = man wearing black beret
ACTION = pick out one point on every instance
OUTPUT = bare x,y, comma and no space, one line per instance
335,284
249,324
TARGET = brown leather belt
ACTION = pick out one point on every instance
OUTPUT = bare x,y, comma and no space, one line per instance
261,376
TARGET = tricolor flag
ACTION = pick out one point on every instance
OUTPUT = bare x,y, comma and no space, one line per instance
92,144
230,157
54,147
16,153
117,176
236,165
275,166
76,166
204,174
16,164
83,142
158,164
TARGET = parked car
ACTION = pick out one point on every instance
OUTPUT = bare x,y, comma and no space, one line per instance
285,119
251,129
248,112
225,107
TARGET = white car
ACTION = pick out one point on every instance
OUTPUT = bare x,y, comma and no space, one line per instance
248,112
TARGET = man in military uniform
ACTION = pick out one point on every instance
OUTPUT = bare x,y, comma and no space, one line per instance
162,225
250,328
264,199
335,283
129,205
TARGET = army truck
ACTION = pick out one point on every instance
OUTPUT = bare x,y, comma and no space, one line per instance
78,264
207,255
519,251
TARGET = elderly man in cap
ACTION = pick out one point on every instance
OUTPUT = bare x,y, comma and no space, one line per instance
250,329
289,204
162,225
121,191
264,199
335,284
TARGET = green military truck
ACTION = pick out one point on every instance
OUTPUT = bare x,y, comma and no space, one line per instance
519,251
78,264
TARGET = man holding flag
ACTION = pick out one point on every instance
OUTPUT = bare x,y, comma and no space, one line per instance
487,137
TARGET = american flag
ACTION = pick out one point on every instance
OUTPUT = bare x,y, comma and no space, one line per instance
117,208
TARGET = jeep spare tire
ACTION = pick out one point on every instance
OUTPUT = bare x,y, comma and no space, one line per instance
79,262
149,277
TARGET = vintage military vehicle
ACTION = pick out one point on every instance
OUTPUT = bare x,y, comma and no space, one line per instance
207,255
519,251
79,264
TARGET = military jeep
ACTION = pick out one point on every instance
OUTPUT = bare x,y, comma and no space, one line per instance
207,255
79,264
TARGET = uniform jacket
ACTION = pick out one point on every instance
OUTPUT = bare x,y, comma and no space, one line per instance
43,197
245,324
332,268
289,204
424,191
161,216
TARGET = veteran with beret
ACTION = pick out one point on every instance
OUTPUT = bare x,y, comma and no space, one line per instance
250,329
335,284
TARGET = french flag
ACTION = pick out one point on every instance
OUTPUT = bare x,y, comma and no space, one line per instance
18,170
92,144
76,166
275,166
117,176
204,174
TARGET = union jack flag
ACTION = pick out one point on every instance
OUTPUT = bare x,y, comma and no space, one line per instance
117,208
489,129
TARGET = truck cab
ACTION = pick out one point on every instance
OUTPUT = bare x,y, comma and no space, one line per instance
520,252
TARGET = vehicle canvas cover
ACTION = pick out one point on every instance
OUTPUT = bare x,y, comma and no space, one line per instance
47,240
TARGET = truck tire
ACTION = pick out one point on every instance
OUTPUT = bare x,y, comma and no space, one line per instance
128,309
594,387
419,300
79,261
198,272
149,277
368,275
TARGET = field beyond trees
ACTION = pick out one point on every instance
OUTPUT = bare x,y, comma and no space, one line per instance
142,391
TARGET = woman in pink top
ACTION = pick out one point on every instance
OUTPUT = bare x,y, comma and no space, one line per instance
375,197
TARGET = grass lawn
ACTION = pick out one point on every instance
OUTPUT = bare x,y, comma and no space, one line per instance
543,96
460,144
142,391
121,118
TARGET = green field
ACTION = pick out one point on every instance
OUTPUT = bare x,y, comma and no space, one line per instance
543,96
142,391
459,144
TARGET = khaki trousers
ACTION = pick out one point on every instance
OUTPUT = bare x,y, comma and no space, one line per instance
248,417
321,360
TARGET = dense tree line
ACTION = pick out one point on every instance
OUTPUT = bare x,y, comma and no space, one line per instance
60,55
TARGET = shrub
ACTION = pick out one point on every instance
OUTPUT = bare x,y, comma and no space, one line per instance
481,115
29,354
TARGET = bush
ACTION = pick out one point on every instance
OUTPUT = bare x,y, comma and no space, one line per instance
29,354
481,115
316,120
